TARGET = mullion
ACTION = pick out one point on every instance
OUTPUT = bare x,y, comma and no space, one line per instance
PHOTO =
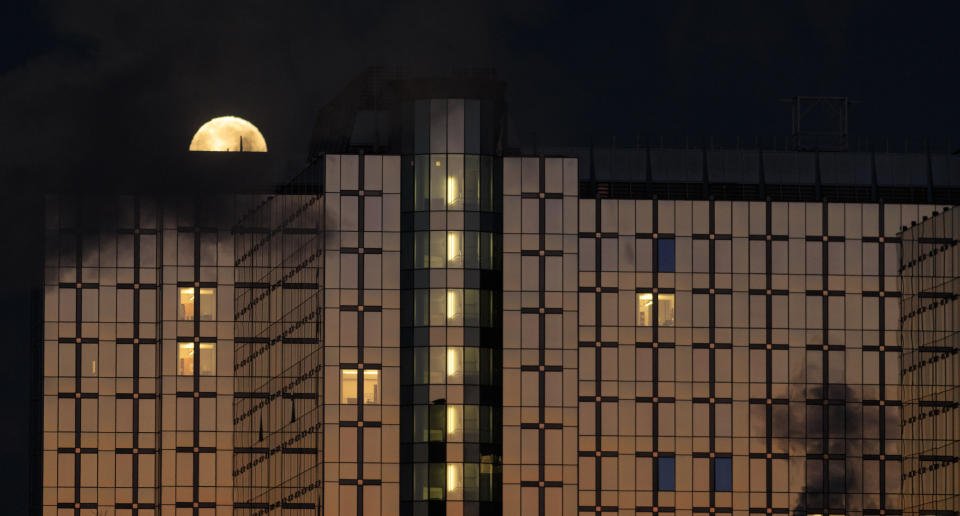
881,367
825,353
598,404
712,305
655,216
360,316
78,359
135,460
541,345
768,352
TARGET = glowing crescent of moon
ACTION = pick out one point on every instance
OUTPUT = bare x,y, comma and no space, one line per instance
228,134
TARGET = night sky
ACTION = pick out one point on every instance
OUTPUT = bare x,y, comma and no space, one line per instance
92,96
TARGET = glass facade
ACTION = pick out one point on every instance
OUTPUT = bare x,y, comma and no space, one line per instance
449,331
277,365
361,336
540,357
450,316
930,268
756,373
138,347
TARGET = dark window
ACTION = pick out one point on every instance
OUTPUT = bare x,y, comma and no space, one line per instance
666,255
471,184
421,183
421,249
666,473
723,474
428,481
438,416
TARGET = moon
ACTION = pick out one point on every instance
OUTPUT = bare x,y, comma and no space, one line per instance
228,134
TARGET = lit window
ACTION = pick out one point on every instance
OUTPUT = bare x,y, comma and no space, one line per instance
666,471
348,386
454,249
371,386
644,309
455,307
189,360
454,365
190,307
454,481
723,474
455,182
454,192
349,393
664,305
454,423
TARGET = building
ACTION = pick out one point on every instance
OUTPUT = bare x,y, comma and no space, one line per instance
929,318
425,321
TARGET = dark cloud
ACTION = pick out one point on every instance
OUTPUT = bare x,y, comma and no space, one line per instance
129,79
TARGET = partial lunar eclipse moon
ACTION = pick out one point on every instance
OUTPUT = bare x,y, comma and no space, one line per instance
228,134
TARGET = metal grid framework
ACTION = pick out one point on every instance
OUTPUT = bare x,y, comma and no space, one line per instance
361,335
278,366
678,356
540,356
124,428
770,387
930,315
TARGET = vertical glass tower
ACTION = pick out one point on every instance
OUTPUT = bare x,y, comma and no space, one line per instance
451,319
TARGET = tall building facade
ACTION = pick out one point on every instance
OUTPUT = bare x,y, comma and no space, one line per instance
930,268
138,353
422,323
